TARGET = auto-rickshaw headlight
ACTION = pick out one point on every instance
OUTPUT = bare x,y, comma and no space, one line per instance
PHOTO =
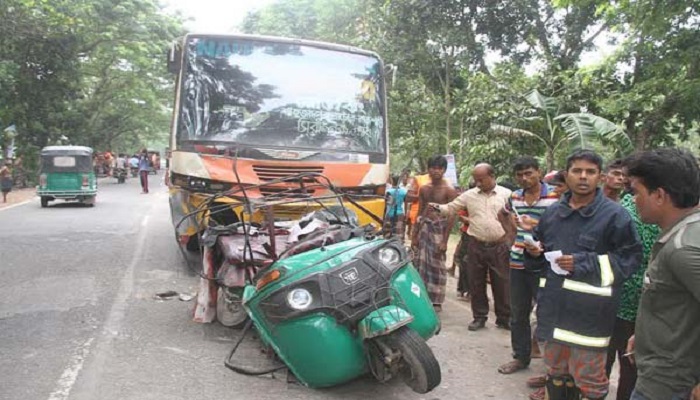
389,256
299,299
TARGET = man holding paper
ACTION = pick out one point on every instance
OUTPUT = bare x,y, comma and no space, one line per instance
590,246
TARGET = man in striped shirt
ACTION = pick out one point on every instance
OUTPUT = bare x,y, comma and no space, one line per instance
527,205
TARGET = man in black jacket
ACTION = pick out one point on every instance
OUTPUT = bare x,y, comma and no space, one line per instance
592,247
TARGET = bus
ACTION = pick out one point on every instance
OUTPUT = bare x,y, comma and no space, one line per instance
275,107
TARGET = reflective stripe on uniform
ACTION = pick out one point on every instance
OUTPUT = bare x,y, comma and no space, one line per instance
586,288
543,281
575,338
606,273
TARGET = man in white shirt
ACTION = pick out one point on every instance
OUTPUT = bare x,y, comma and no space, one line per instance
489,248
121,161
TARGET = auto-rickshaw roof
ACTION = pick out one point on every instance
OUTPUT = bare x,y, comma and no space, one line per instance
67,150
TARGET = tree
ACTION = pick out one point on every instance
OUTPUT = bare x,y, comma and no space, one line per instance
87,70
652,81
558,131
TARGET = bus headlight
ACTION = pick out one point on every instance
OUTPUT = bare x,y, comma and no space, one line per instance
299,299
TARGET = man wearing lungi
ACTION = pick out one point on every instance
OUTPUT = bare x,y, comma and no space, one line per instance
432,231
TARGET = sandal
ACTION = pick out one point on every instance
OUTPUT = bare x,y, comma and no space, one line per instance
537,381
537,394
512,366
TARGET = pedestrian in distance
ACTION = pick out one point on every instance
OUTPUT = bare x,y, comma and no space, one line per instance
144,167
488,247
592,248
460,256
666,343
396,197
414,185
557,180
6,180
614,180
527,205
432,231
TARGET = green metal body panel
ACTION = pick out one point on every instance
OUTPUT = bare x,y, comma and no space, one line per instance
322,259
316,348
408,283
68,185
380,322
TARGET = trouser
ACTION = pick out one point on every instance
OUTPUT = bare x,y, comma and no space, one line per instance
637,395
144,180
618,346
492,259
397,225
523,292
460,260
587,367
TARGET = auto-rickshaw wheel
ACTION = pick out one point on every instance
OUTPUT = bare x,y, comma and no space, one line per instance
192,244
44,201
229,307
418,367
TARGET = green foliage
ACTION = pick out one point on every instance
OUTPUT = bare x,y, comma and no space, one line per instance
327,20
88,72
92,71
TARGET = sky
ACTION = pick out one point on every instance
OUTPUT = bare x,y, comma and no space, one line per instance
215,16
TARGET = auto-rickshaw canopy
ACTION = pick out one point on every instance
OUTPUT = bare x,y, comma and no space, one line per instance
66,159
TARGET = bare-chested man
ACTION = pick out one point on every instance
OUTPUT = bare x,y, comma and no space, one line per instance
431,233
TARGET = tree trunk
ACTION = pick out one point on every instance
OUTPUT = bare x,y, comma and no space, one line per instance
448,104
641,139
550,160
461,139
448,98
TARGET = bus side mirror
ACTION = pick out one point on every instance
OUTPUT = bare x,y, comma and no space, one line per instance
392,71
174,58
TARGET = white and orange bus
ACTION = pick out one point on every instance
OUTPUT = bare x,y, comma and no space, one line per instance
275,107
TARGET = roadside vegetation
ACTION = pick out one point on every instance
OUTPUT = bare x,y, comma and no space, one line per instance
480,79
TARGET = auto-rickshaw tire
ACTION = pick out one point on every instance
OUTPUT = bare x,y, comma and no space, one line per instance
241,316
419,368
44,201
192,244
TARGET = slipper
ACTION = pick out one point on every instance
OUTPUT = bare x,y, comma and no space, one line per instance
538,394
511,366
537,381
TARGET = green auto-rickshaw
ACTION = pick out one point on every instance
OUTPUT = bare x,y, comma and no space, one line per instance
333,299
67,173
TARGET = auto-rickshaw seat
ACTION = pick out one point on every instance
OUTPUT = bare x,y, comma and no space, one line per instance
233,247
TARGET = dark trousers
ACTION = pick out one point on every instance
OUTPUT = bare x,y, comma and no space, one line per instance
618,346
144,180
397,225
488,259
461,261
523,293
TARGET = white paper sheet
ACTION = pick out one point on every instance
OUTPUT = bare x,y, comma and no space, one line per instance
551,256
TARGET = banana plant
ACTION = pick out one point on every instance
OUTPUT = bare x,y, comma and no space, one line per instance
556,130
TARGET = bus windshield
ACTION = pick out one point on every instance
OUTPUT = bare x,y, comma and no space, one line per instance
264,93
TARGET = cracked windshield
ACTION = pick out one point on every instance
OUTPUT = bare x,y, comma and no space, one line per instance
285,95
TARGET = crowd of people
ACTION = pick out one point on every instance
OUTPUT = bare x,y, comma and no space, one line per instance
106,162
143,162
608,256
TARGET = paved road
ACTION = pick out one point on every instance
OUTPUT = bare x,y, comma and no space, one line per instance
78,319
